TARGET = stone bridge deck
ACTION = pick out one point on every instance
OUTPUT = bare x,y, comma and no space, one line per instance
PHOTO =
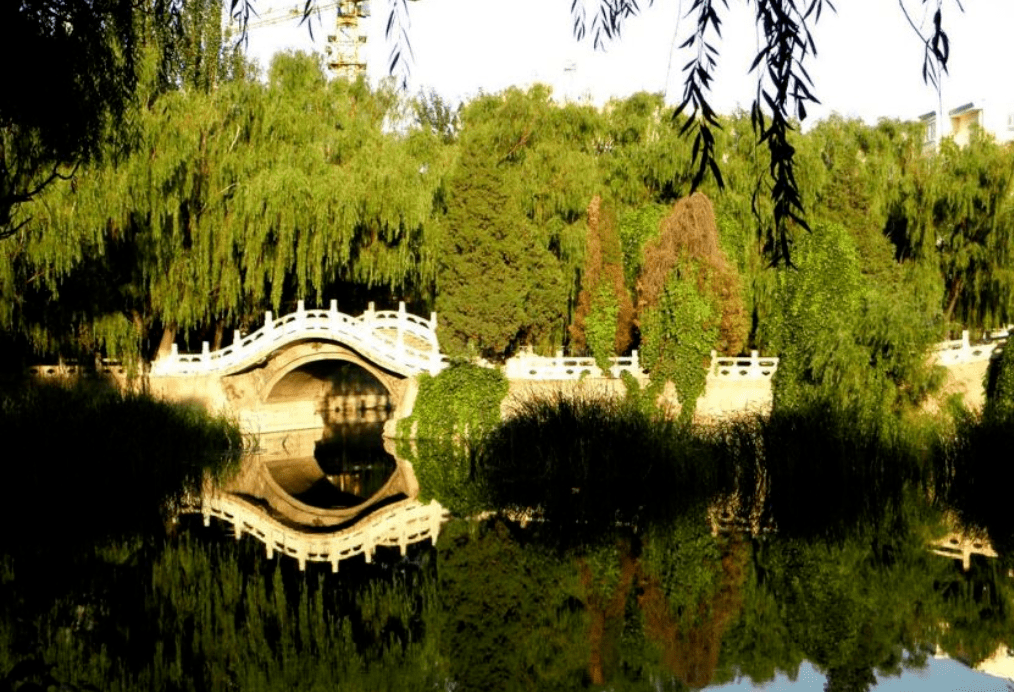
395,340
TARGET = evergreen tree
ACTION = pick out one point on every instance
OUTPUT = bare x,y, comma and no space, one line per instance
497,287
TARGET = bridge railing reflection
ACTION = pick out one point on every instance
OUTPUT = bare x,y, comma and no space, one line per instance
396,526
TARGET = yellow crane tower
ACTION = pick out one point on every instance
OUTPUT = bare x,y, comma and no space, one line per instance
345,49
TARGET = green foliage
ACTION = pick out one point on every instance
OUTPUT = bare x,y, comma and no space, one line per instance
636,227
452,411
999,386
824,290
225,207
226,618
498,287
146,454
973,225
600,325
686,560
677,335
586,465
523,629
971,465
842,341
461,402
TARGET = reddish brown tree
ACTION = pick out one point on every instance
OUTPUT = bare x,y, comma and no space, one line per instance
602,285
688,243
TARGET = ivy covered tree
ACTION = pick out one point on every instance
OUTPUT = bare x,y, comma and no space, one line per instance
604,317
688,300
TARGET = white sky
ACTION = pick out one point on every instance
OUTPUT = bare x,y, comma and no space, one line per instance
869,63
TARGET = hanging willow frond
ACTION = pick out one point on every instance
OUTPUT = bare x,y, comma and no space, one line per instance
784,88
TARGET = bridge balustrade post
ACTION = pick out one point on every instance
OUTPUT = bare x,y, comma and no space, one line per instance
755,364
370,309
269,321
206,354
174,352
400,334
713,367
435,516
332,315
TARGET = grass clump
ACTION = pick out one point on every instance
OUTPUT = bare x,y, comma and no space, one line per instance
591,463
588,465
95,463
973,465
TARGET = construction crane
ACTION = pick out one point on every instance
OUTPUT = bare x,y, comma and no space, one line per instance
345,49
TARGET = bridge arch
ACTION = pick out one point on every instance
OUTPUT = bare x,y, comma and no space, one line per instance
293,357
249,392
256,481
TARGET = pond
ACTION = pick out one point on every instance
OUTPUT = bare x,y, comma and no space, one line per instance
496,603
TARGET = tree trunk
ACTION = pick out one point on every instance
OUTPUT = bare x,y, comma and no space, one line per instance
165,346
953,301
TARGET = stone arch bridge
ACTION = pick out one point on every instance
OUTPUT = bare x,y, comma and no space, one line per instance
276,378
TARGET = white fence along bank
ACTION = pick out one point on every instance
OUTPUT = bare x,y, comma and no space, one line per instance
961,351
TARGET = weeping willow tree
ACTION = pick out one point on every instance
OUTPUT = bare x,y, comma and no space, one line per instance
973,228
231,202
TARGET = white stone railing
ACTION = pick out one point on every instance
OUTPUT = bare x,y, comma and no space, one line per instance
960,546
960,351
528,366
381,336
397,526
752,367
72,368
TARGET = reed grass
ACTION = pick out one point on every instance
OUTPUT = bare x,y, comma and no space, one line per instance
84,463
591,463
809,472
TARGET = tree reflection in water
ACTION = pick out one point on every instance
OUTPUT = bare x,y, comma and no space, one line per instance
648,600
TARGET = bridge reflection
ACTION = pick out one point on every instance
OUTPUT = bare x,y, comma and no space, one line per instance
323,499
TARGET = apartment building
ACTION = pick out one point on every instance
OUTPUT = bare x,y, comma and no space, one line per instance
995,118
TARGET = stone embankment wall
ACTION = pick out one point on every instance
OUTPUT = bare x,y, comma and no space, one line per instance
965,366
734,386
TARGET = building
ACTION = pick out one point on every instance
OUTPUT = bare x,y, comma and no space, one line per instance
995,118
